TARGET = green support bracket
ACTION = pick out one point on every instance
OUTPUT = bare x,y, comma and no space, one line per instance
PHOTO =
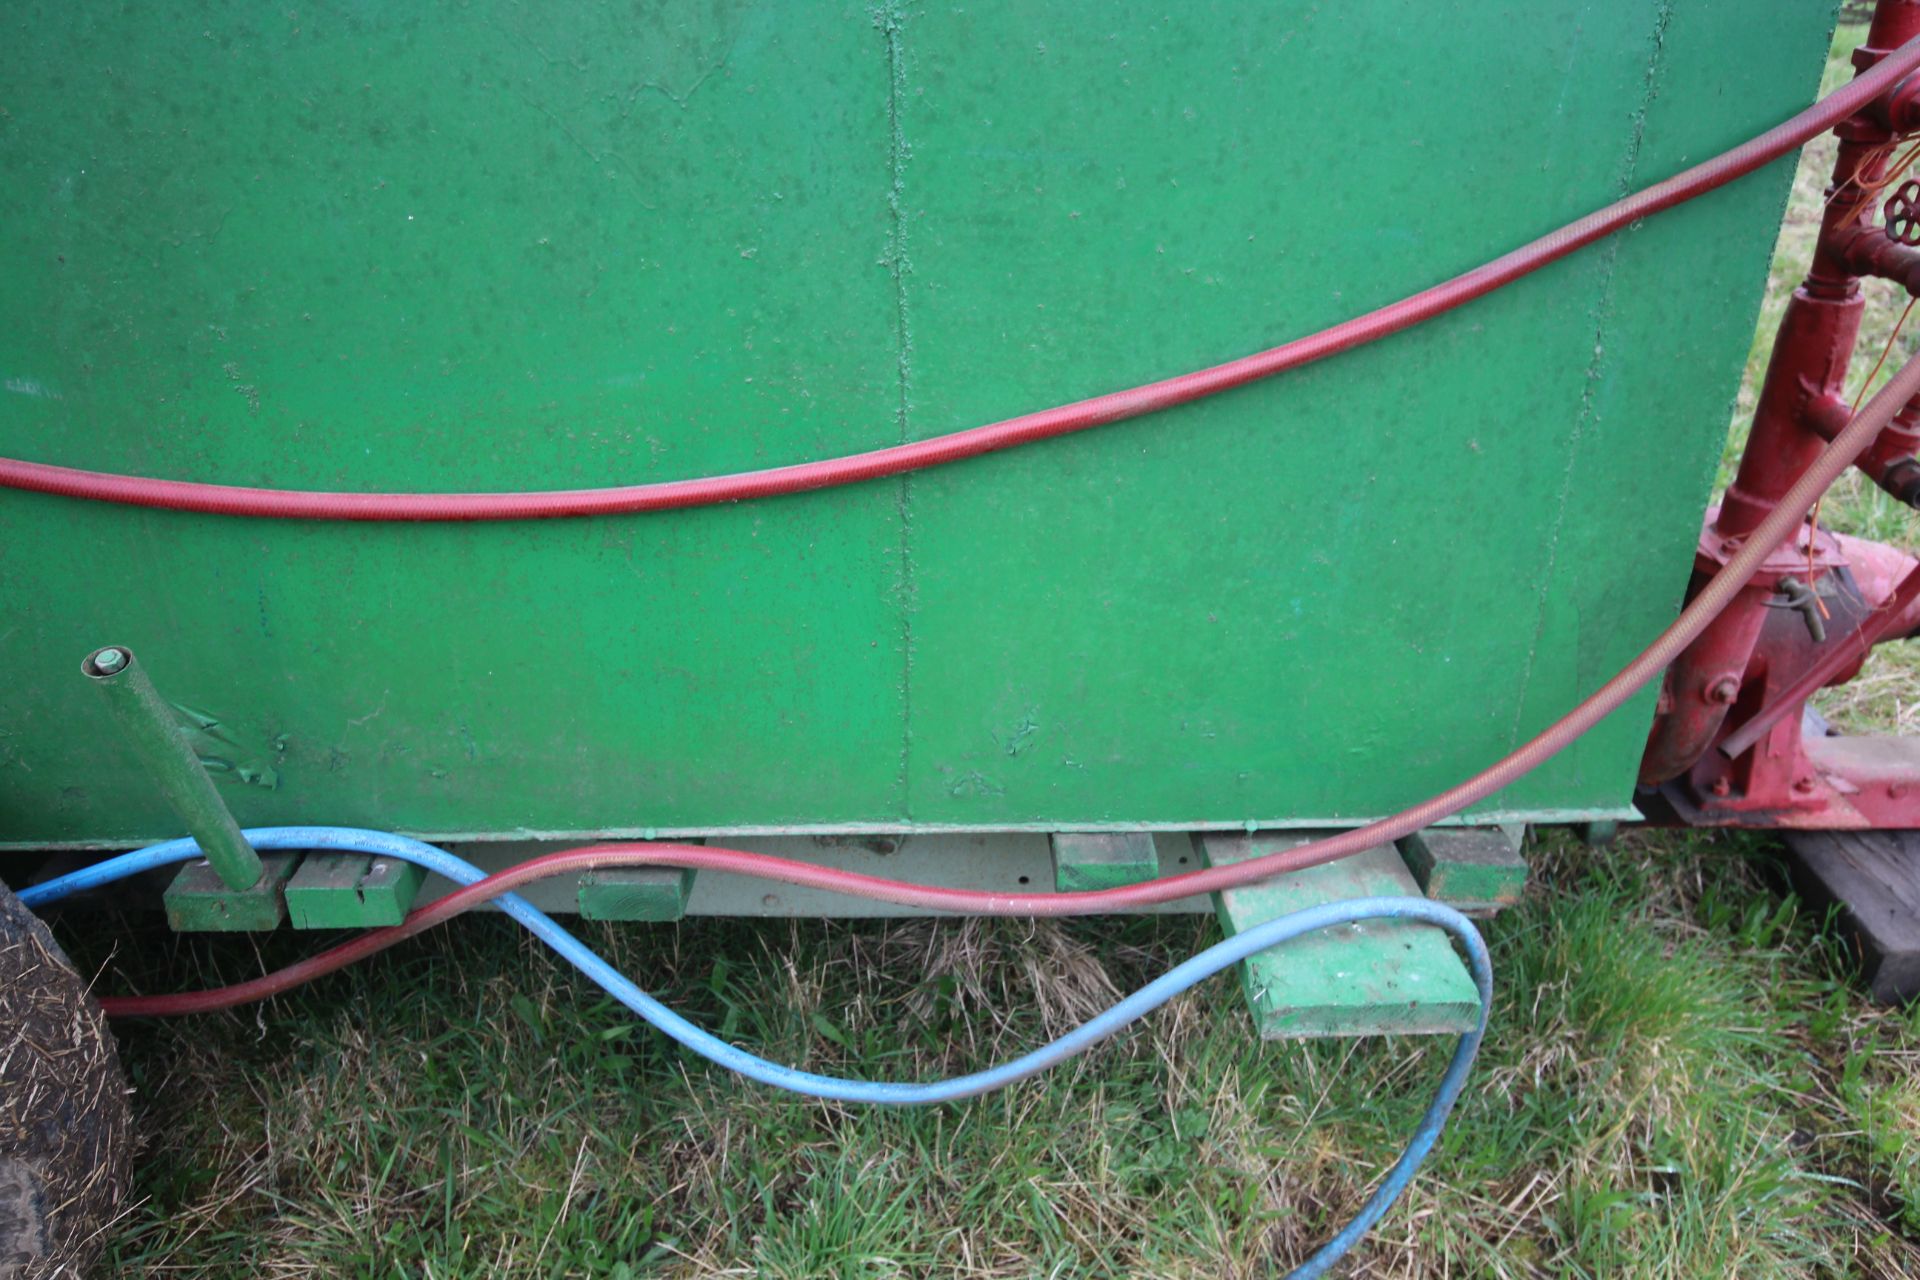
1082,861
1599,834
149,725
1372,977
351,891
638,893
198,901
1475,869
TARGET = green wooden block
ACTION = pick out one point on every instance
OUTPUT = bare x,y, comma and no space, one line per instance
638,893
351,891
199,902
1472,868
1082,861
1598,834
1373,977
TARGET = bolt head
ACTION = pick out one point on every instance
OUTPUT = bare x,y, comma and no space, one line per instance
108,661
1721,787
1724,690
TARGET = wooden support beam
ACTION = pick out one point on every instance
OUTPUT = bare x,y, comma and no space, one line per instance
1478,870
1872,878
198,901
1375,977
1083,861
351,891
1599,833
637,893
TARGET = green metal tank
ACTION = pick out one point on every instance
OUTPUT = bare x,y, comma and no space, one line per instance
492,246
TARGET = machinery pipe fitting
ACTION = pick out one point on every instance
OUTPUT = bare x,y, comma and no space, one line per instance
1870,251
150,727
1898,109
1724,691
1890,463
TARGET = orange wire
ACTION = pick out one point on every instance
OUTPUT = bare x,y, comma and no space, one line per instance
1813,518
1874,156
1868,188
1873,187
1885,351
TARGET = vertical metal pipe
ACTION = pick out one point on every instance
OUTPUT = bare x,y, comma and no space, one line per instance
1800,400
149,724
1815,344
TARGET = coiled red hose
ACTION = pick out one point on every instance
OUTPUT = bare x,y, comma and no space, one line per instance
214,499
1848,445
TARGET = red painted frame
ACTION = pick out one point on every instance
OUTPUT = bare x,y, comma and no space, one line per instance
1730,745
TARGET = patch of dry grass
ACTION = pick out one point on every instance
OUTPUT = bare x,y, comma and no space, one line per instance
1678,1082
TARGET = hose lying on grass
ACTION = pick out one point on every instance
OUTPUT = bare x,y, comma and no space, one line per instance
1712,598
1180,978
1835,458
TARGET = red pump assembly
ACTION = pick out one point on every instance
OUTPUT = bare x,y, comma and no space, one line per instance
1729,745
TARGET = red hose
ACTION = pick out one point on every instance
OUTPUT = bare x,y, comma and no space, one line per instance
182,495
1848,445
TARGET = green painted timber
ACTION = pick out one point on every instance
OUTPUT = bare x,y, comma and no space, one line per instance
640,893
351,891
478,246
1477,869
1372,977
198,901
1598,834
1089,861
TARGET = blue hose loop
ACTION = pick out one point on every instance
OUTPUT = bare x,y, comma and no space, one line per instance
1175,981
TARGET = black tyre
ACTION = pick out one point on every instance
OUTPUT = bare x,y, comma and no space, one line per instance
64,1122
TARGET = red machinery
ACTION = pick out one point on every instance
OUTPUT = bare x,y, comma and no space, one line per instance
1730,744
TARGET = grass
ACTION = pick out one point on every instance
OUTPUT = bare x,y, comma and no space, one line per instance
1679,1081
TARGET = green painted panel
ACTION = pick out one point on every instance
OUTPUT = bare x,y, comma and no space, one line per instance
475,246
1334,593
439,247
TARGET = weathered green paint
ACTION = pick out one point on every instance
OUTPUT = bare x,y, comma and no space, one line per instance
351,891
198,902
478,246
1472,868
1083,861
649,893
148,724
1374,977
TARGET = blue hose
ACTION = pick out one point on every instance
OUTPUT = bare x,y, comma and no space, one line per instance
1180,978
